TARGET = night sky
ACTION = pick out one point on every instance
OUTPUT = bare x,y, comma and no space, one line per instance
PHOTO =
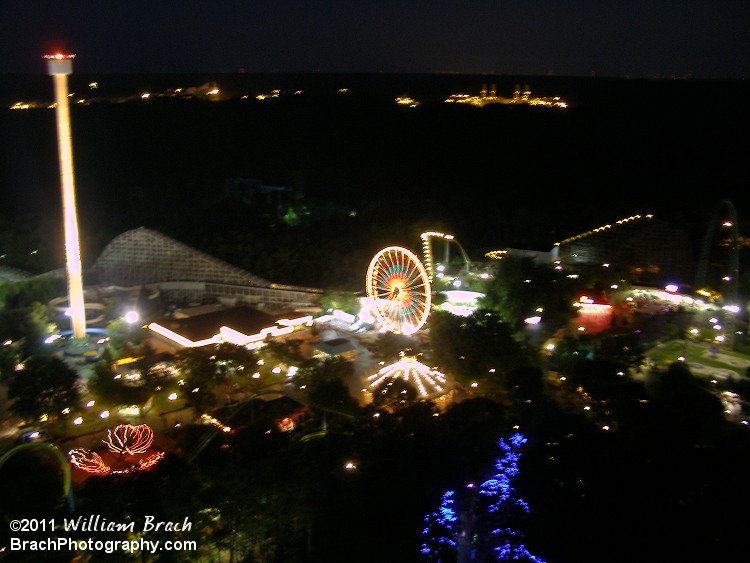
638,38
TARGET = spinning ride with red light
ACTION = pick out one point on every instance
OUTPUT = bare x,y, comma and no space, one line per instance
126,441
399,287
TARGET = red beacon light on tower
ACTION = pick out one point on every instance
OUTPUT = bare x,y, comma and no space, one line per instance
59,63
59,56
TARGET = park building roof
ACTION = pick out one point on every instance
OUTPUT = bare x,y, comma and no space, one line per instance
242,325
337,347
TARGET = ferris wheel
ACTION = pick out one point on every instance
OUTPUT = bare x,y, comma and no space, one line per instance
398,285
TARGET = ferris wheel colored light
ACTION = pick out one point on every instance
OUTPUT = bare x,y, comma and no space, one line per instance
399,287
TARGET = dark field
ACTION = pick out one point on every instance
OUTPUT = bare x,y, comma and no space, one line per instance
366,171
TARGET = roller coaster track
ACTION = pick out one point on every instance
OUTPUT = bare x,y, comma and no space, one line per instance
428,253
67,491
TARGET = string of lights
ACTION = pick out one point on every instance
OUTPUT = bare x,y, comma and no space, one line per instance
604,228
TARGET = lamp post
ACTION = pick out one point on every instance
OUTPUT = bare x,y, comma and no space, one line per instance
131,317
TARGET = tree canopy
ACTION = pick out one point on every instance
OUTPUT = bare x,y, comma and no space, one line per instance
47,385
521,286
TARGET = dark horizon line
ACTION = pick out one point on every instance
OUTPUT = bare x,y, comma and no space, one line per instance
664,77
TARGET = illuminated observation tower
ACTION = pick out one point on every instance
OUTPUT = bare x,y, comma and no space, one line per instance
59,66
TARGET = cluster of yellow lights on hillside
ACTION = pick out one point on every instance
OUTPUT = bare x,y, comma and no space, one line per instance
490,97
213,92
226,334
273,94
604,228
407,101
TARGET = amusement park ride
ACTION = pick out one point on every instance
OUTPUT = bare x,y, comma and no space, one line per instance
399,287
434,242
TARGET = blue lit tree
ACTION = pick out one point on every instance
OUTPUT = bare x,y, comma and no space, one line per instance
483,530
441,532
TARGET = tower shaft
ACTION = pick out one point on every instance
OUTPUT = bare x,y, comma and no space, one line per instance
77,309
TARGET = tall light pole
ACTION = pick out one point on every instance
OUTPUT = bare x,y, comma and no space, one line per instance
59,66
